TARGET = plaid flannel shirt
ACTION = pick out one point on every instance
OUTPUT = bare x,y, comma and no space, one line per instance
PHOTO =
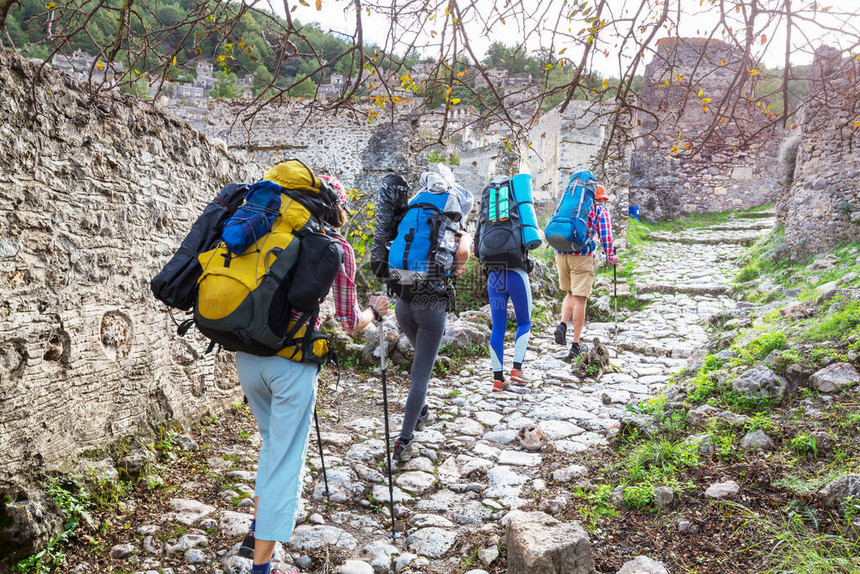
345,301
599,224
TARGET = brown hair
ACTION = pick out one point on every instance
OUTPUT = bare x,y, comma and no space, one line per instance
337,216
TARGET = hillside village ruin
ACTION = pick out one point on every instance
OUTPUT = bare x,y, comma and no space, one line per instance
116,185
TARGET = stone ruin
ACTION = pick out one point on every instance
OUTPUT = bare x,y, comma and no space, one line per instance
734,165
821,209
94,199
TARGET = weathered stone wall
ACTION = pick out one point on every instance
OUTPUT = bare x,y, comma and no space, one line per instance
346,145
822,208
734,167
94,198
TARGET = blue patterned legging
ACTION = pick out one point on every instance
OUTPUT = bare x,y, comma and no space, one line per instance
513,284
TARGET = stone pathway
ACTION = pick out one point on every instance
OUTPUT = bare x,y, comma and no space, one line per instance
488,453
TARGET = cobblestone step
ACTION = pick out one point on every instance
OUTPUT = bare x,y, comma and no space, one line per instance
758,214
754,225
689,289
686,240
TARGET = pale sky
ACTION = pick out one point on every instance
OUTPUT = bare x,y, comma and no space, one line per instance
338,16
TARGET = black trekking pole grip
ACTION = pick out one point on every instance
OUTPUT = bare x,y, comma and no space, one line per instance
387,431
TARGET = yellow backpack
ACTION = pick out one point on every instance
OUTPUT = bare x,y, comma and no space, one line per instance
244,301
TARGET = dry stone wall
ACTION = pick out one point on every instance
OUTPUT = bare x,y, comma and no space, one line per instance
344,144
822,208
735,167
94,198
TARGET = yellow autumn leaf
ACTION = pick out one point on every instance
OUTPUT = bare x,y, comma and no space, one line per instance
174,61
100,65
50,5
753,71
706,100
319,5
701,92
455,101
605,83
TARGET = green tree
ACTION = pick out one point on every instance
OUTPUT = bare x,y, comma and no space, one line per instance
225,86
304,89
262,80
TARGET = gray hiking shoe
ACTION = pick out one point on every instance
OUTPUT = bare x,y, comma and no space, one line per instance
426,419
404,453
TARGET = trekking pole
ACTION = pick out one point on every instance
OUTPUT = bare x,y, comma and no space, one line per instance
615,296
387,434
326,492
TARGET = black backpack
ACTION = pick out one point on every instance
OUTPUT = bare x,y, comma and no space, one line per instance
499,233
176,284
390,207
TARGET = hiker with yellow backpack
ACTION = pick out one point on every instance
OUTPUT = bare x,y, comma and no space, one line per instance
281,394
258,293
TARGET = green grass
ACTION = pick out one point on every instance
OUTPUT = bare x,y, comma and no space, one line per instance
796,546
842,323
803,482
659,460
598,504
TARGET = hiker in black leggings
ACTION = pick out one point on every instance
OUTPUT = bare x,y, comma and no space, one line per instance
422,316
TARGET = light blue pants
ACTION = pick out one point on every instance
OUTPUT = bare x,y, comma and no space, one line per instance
281,395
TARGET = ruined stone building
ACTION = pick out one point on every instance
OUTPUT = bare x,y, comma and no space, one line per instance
687,159
822,206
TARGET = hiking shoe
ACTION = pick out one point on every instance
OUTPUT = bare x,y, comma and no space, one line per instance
404,453
561,334
500,385
518,377
425,419
246,549
575,350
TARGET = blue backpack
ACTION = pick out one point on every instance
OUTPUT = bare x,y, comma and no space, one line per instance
567,230
425,242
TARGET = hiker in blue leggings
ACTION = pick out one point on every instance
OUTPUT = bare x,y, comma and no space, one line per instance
502,285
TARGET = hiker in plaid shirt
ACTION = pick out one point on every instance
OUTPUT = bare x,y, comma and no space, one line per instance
281,394
576,273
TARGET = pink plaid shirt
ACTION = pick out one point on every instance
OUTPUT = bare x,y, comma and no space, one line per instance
345,301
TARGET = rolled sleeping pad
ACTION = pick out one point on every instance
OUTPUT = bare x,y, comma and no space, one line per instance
522,188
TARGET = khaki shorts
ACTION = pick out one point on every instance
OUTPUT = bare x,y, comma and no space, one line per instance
575,273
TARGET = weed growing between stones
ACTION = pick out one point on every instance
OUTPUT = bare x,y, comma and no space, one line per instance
76,506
